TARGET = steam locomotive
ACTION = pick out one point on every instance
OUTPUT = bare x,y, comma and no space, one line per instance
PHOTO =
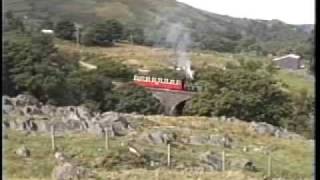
165,83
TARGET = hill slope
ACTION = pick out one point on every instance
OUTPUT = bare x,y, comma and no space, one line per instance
192,138
160,17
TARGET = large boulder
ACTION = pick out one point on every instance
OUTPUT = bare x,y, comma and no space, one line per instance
7,105
120,127
65,170
116,124
161,137
263,128
24,99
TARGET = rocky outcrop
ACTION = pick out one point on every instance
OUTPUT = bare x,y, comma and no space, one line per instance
215,140
158,137
25,113
263,128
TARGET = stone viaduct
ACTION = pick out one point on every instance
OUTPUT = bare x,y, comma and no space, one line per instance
173,101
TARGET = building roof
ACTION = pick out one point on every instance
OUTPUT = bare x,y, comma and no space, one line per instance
286,56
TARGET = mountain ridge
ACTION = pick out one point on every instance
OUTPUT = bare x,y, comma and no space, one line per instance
208,30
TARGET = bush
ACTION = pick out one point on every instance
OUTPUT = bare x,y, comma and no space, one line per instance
36,66
103,34
247,95
65,30
132,98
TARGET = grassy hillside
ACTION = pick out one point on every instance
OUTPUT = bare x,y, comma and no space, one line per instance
291,158
157,17
144,57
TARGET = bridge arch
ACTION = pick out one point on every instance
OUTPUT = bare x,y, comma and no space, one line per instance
172,101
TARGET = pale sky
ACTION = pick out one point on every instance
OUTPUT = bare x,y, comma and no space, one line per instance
288,11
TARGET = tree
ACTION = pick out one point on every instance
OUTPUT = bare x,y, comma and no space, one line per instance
37,67
133,98
47,24
13,23
8,85
103,34
135,35
247,95
301,117
115,70
116,29
65,30
89,87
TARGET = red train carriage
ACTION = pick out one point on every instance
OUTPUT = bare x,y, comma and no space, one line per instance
162,83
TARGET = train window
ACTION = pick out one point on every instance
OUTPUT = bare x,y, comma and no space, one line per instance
148,78
154,79
159,79
179,82
172,81
135,77
166,80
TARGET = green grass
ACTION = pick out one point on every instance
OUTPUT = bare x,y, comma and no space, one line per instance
296,82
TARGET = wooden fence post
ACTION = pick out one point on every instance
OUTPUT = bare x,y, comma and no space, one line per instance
269,164
53,138
157,174
169,154
223,154
223,160
106,138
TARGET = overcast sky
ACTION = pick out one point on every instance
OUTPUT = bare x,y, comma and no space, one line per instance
288,11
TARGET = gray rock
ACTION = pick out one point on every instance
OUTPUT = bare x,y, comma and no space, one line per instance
95,128
29,125
7,105
219,140
23,152
120,127
32,110
263,128
223,118
24,99
212,160
6,100
198,140
215,140
243,164
68,171
49,110
160,137
268,129
6,109
83,113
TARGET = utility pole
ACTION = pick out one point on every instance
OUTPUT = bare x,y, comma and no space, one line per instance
78,26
